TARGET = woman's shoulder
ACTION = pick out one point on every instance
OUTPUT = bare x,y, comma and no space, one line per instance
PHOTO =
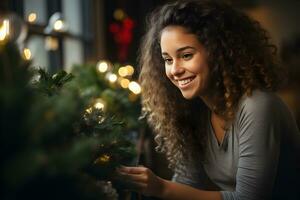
262,103
263,106
265,109
260,98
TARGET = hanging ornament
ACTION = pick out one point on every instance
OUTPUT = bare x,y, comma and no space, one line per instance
122,31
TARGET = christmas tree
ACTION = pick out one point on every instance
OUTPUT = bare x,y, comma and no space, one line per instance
62,135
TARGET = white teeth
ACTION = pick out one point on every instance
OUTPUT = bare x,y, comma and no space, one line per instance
185,81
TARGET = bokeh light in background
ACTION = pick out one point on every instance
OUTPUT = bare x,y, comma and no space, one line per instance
134,87
51,43
27,54
4,30
12,28
119,14
111,77
99,104
32,17
102,66
124,82
127,70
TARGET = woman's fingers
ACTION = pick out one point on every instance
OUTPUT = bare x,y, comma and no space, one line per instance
133,170
131,177
139,179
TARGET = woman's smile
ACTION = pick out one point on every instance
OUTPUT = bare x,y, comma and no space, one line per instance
186,82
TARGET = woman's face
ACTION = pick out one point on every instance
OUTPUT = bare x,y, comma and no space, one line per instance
185,61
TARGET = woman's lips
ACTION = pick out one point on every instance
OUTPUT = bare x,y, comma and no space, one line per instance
183,83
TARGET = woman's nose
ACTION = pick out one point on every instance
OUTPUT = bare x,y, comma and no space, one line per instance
176,68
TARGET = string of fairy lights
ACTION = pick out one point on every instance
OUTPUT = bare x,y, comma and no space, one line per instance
13,28
6,30
121,76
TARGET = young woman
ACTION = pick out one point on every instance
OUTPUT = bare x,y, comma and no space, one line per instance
208,76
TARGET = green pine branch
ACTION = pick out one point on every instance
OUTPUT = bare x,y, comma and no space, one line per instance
51,146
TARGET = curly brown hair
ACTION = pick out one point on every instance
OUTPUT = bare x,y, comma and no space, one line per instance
241,59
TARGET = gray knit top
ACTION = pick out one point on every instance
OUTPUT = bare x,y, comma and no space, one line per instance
258,157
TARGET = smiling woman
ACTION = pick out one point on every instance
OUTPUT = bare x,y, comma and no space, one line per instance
208,76
185,61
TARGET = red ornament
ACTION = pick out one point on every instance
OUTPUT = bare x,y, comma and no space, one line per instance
122,36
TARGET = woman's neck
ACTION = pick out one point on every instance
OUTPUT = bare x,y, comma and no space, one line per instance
210,102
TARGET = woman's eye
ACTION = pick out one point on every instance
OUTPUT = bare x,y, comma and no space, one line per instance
168,61
187,56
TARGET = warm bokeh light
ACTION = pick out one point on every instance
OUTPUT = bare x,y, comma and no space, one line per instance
89,110
27,54
112,77
127,70
124,82
123,71
32,17
99,104
51,43
58,25
4,30
119,14
102,66
134,87
130,70
102,159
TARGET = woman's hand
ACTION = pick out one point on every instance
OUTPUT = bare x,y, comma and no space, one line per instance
142,180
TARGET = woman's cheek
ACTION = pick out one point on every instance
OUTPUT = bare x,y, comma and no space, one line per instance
168,73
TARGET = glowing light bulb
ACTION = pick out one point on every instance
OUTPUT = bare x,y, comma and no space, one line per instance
89,110
123,71
32,17
58,25
12,29
99,104
112,78
102,66
130,70
4,30
134,87
27,54
124,82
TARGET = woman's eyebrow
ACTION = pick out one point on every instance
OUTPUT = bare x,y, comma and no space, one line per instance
180,49
184,48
